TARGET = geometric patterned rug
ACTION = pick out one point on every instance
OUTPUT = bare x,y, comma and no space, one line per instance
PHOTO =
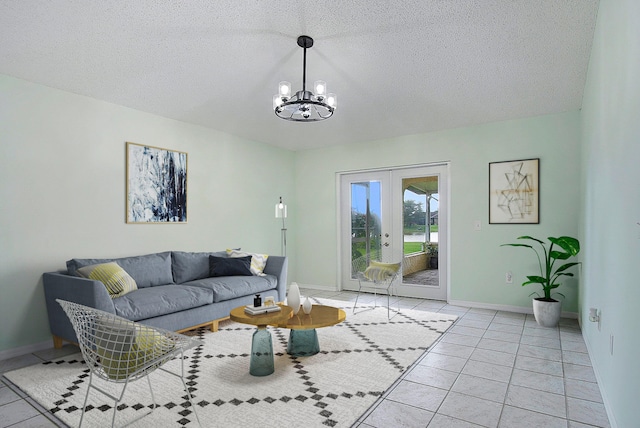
360,358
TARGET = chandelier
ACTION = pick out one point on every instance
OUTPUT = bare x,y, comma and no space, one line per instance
304,106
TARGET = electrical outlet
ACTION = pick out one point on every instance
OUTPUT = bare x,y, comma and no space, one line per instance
508,278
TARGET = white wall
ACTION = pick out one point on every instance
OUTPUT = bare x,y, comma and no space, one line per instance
62,193
611,180
478,263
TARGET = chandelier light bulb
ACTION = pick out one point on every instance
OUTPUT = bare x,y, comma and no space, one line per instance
277,101
332,100
321,89
284,89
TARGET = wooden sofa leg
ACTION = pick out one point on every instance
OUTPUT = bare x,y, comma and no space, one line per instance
57,342
214,326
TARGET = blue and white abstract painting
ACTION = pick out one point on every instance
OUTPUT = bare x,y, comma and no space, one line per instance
156,185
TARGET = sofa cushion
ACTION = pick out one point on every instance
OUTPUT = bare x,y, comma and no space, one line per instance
160,300
227,266
230,287
148,270
191,266
115,279
258,261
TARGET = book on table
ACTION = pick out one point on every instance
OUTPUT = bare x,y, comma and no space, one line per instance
256,310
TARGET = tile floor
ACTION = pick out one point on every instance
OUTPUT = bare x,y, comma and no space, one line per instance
491,369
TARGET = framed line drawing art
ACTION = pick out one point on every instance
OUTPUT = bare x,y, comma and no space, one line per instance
514,192
156,185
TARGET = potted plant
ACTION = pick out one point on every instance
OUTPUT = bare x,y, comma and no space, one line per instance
432,251
545,308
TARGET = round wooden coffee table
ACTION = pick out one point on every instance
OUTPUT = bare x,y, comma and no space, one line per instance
303,338
261,363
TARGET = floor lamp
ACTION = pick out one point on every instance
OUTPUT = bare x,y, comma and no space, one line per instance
281,212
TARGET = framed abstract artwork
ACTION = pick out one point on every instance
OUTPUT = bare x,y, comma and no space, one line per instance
514,192
156,185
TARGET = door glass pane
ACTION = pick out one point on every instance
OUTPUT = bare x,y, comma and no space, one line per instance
366,218
420,231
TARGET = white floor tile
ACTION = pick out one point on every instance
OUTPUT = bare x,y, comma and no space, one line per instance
540,352
431,376
498,345
494,357
444,362
460,339
481,388
500,335
576,358
418,395
442,421
538,365
587,412
580,372
583,390
453,349
471,409
537,401
539,381
487,371
516,417
392,414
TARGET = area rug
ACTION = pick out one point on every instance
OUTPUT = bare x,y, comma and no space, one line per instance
359,359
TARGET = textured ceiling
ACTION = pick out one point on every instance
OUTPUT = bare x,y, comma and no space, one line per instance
398,67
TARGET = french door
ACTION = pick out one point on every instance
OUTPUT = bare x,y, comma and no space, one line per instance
400,213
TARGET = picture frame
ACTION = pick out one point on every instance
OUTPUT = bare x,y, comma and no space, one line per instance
156,185
514,192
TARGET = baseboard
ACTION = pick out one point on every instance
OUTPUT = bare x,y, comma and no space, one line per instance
506,308
27,349
605,397
317,287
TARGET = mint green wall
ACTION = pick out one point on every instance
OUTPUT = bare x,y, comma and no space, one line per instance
611,206
62,193
478,263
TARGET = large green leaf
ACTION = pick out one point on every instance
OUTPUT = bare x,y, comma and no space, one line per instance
566,266
567,243
516,245
559,255
535,280
531,238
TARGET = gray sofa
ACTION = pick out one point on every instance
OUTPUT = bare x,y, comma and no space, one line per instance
175,291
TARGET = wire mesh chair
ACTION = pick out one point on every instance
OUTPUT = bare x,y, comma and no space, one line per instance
374,273
122,351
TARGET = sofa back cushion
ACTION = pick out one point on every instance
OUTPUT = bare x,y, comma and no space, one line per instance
192,266
148,270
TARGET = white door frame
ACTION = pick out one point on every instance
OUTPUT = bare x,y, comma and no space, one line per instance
393,220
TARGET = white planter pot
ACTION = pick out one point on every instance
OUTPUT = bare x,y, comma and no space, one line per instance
547,314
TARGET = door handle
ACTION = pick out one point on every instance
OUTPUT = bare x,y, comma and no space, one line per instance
386,244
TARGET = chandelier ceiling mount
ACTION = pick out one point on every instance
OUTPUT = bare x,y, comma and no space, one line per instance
304,106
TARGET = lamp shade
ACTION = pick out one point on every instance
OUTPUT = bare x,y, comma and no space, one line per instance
281,209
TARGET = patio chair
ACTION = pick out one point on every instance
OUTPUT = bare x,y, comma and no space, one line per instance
122,351
375,274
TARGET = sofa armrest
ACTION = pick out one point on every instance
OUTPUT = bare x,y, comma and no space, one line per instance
277,265
88,292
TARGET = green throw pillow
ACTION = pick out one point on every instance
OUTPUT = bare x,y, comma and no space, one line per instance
119,361
378,271
116,279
